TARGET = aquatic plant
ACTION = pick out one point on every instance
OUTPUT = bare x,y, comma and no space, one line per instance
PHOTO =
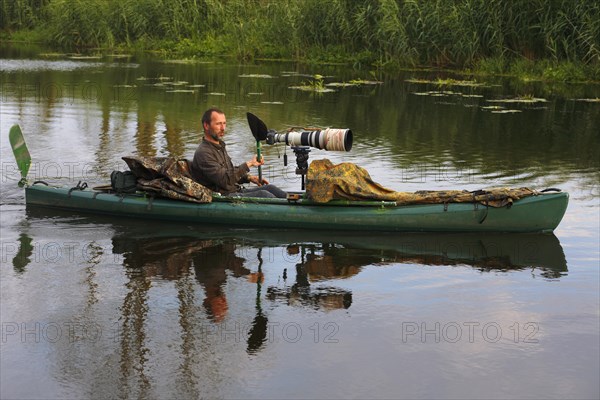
484,36
316,85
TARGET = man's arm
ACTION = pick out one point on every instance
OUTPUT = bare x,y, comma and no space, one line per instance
214,169
223,176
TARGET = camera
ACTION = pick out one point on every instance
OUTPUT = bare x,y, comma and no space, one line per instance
329,139
300,140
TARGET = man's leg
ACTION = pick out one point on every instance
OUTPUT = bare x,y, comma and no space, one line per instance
266,191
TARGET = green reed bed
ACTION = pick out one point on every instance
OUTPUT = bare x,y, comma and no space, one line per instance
484,36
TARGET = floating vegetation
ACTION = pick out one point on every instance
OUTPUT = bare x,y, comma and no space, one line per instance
353,82
255,94
119,55
288,74
262,76
180,91
186,61
124,86
446,82
506,111
472,95
594,100
52,55
453,82
178,83
182,61
417,80
142,78
311,88
340,84
78,57
196,86
317,86
216,94
437,93
364,82
271,102
500,110
521,99
164,78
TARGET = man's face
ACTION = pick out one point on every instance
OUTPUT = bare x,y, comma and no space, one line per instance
217,126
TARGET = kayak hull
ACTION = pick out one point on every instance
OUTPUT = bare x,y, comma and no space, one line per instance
541,213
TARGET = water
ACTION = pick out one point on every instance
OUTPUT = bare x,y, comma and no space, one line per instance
98,307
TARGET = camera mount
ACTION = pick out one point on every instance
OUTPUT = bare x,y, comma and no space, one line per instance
301,153
301,140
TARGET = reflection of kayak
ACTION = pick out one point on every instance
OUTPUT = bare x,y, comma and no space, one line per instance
332,253
541,213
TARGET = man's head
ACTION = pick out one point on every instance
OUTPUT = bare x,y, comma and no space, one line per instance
214,124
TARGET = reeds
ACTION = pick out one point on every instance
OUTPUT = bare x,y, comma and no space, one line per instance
454,33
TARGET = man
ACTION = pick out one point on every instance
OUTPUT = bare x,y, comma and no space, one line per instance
212,166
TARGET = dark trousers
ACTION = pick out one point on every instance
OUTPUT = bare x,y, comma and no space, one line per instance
265,191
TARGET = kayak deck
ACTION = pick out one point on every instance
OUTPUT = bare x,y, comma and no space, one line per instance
541,213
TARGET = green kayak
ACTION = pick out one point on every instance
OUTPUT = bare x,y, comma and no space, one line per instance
540,213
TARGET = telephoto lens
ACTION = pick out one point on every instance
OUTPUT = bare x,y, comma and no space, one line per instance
329,139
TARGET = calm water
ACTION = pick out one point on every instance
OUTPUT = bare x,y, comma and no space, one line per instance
96,307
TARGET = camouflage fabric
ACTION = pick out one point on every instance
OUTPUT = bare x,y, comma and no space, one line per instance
326,181
167,177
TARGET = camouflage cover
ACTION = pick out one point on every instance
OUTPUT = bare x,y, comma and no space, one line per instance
167,177
326,181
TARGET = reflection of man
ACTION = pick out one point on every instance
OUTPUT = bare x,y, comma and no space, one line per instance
171,258
210,267
168,258
212,166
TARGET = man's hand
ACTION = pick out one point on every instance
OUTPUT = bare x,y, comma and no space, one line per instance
254,179
254,162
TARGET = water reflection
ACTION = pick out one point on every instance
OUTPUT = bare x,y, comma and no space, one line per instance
316,263
23,256
133,337
172,250
310,268
160,293
396,124
175,289
213,261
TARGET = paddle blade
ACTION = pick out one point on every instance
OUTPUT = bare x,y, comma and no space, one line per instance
258,128
22,156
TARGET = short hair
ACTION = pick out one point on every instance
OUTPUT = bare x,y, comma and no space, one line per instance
207,116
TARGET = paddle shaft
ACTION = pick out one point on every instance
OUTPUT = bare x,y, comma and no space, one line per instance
258,158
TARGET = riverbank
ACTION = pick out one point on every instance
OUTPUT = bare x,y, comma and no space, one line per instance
549,71
533,40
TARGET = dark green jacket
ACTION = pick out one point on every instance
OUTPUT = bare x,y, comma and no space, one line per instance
212,167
